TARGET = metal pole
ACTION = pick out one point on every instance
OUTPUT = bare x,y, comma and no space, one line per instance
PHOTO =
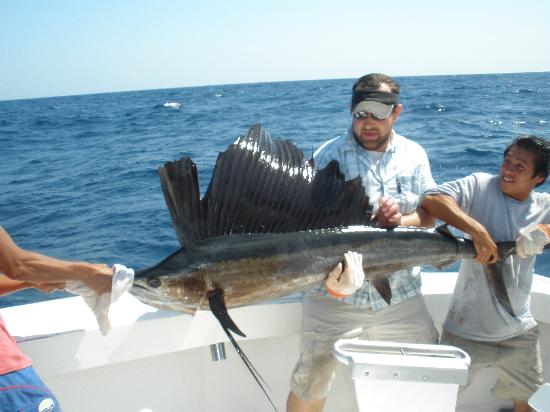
218,352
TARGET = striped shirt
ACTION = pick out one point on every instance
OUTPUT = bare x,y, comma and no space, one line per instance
401,172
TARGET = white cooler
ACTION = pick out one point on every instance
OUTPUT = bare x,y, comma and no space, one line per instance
540,401
404,377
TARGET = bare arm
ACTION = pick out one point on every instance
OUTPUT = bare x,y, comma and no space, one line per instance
26,266
8,285
418,218
445,208
389,215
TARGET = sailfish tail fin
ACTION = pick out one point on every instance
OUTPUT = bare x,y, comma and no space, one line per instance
508,248
493,272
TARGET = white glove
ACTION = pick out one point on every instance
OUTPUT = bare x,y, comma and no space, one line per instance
123,278
532,240
341,284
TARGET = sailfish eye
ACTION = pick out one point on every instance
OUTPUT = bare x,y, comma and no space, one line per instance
154,282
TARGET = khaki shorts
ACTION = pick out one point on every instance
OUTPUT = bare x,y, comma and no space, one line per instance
516,360
327,319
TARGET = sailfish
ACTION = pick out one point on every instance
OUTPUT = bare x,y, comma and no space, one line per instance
271,224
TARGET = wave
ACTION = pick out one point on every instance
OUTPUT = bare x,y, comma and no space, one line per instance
480,151
521,91
83,120
21,181
429,108
45,122
168,105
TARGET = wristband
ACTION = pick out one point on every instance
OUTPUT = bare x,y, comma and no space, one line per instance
335,294
545,229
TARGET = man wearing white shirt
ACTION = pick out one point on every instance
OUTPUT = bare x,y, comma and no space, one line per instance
395,171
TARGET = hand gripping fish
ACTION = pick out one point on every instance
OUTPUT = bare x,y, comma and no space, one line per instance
270,224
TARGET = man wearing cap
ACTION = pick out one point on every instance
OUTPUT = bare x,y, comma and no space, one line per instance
395,171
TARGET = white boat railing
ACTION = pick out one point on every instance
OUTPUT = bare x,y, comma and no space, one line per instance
64,341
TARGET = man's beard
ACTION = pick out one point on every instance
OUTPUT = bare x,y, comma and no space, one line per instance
380,142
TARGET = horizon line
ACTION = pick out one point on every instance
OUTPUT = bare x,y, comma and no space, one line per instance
260,82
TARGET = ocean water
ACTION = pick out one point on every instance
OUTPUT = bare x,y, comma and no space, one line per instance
78,174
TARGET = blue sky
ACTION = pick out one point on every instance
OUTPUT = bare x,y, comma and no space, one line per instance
56,47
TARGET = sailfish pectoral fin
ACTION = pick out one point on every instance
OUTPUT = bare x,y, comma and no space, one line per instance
218,308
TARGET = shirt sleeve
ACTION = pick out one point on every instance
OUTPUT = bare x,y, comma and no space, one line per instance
424,173
320,159
324,154
460,190
408,195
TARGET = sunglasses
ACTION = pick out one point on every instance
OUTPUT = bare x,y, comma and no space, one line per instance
380,113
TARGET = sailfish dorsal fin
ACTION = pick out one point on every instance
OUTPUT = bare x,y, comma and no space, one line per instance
261,184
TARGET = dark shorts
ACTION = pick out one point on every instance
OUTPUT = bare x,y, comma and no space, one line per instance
22,391
517,362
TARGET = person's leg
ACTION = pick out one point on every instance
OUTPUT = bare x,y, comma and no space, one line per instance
482,354
521,406
295,404
406,322
23,390
519,369
312,375
325,321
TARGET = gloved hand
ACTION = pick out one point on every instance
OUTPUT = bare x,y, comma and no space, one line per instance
532,240
123,278
340,284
